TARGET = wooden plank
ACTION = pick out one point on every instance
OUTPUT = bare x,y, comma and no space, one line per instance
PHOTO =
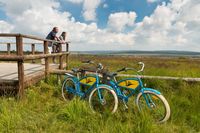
27,36
11,58
8,87
162,77
39,56
39,39
9,34
23,43
34,78
61,72
188,79
32,72
9,82
8,71
19,47
29,57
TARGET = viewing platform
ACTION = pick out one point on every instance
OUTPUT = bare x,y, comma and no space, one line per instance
16,70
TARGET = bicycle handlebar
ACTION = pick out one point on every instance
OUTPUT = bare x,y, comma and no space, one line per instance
126,69
88,62
142,68
99,65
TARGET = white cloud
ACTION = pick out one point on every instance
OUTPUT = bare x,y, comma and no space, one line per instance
105,5
118,21
171,26
152,1
89,9
75,1
16,7
33,17
5,27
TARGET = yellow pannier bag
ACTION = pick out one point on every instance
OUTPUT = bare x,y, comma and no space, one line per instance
88,80
130,84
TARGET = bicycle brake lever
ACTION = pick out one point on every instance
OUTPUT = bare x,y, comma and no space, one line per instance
88,62
120,70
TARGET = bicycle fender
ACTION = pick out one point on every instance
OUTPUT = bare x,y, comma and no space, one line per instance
69,75
104,85
72,77
152,90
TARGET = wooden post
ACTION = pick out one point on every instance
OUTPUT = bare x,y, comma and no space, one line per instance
19,47
67,56
46,59
60,57
33,51
8,48
60,63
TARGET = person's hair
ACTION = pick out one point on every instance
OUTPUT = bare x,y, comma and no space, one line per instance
63,35
54,28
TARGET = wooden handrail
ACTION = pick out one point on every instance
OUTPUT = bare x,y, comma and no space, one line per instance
11,58
29,37
188,79
24,43
29,57
9,34
40,56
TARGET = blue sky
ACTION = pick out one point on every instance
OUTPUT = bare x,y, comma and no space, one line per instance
141,7
108,24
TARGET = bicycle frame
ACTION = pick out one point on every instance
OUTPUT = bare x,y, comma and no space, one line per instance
140,88
78,84
118,89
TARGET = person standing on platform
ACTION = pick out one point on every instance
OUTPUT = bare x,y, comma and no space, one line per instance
62,37
51,45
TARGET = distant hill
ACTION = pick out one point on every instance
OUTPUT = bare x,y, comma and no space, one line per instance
151,53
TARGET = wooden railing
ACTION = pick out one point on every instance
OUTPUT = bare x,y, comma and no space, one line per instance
20,57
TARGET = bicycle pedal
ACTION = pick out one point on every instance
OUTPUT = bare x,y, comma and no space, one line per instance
125,109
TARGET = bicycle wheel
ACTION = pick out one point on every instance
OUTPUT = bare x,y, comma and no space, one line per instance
158,106
103,100
68,88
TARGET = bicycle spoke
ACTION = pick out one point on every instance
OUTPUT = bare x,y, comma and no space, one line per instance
102,101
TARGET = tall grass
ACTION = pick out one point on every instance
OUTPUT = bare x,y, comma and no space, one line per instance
43,110
155,66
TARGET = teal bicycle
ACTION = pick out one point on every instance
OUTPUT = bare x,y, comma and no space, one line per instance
147,99
102,98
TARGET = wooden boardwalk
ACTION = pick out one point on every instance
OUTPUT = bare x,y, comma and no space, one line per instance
8,71
33,73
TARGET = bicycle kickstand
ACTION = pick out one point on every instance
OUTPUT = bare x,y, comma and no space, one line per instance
125,105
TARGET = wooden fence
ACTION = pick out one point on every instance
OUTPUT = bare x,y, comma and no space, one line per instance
20,57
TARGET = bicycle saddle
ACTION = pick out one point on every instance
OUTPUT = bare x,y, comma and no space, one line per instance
111,74
75,70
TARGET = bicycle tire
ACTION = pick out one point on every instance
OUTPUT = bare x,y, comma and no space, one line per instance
97,105
65,93
156,97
